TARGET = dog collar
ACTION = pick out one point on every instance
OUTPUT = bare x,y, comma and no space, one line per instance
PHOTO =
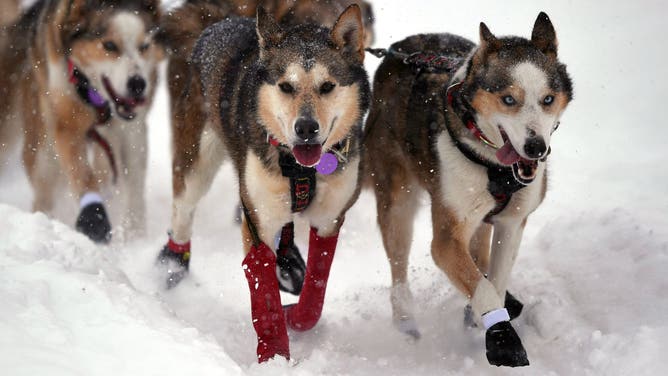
467,117
503,181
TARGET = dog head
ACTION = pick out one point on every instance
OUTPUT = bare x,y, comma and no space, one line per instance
518,90
111,43
313,87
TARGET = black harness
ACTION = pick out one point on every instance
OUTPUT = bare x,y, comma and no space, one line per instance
303,179
504,181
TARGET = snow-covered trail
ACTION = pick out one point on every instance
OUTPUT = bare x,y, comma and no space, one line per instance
590,270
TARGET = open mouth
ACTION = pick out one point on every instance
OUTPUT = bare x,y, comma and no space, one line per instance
125,107
525,170
307,155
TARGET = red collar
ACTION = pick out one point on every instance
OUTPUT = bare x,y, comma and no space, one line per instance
468,118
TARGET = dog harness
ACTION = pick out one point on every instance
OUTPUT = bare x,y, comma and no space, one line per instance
303,179
92,97
504,181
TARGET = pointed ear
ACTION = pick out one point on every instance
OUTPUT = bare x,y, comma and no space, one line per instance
71,18
348,33
488,41
269,33
543,35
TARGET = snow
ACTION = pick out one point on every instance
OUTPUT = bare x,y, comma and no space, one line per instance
591,269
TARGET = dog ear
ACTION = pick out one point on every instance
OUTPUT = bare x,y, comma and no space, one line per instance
543,35
348,33
269,33
152,7
488,41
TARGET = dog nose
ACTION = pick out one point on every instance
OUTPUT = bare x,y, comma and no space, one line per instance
136,86
535,147
307,129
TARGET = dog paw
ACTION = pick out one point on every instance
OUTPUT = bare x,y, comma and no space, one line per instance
94,223
513,306
409,327
290,269
504,347
175,264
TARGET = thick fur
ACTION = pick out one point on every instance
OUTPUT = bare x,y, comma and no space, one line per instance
9,11
407,127
230,104
182,27
38,97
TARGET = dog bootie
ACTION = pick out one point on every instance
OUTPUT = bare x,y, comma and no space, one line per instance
266,310
504,347
290,264
94,223
176,258
306,313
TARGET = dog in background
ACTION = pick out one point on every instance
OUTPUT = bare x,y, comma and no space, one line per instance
77,79
477,141
286,104
181,28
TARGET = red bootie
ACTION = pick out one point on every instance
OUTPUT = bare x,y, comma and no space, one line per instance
266,310
306,313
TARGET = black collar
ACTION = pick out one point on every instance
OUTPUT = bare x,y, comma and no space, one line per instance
504,181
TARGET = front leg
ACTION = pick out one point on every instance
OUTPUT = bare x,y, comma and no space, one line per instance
135,158
71,146
506,244
450,250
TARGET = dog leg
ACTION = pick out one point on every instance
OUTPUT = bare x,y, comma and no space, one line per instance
189,188
450,250
71,146
135,153
266,309
306,313
480,246
396,214
507,239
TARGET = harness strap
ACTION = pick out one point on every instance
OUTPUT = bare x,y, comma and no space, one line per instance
255,238
421,61
302,182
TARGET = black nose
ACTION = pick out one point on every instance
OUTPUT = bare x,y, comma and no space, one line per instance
307,129
535,147
136,86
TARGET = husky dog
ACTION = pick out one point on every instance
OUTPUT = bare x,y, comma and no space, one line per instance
477,141
286,105
79,75
180,30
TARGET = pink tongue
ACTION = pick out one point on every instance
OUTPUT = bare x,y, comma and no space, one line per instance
507,154
307,155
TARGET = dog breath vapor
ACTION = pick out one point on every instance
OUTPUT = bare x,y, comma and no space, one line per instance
590,271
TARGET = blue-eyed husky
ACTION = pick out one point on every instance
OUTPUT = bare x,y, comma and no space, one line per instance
477,141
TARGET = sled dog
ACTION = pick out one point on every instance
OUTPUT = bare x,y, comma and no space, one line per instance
286,105
477,140
181,27
78,76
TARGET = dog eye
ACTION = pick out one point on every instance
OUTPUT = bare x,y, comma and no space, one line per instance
144,47
548,100
508,100
327,87
110,46
286,88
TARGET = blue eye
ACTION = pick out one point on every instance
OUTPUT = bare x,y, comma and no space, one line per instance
508,100
110,46
548,100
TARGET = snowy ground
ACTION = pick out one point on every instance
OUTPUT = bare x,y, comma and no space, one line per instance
591,268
